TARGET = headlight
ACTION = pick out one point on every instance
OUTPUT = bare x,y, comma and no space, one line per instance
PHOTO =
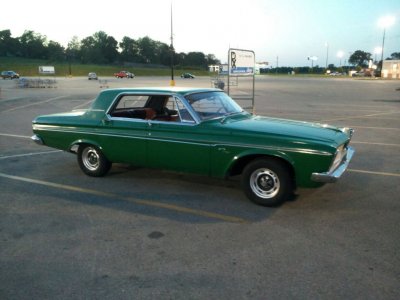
339,156
348,131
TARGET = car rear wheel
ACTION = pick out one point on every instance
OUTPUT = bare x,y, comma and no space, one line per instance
92,161
267,182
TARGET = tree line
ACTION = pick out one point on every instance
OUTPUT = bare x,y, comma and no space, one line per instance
100,48
361,58
358,60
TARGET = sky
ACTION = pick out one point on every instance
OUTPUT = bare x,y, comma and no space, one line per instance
283,32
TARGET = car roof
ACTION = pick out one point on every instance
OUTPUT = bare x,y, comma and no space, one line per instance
106,97
167,90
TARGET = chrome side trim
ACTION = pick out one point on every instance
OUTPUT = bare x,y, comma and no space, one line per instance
205,142
334,175
37,139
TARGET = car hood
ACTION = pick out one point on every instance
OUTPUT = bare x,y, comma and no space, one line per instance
290,130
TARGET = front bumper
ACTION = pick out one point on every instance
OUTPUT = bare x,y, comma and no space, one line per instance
334,175
37,139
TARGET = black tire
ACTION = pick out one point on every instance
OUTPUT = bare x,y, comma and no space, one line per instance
92,161
267,182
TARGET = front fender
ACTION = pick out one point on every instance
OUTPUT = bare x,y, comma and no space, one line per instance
227,161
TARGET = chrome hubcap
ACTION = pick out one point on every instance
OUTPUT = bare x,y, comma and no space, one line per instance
91,158
264,183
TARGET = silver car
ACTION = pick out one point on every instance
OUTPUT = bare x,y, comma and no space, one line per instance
92,75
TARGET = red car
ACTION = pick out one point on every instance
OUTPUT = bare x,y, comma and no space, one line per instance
124,74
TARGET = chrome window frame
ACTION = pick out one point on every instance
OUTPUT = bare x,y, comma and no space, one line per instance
188,107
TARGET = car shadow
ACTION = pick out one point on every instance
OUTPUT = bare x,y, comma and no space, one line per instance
164,194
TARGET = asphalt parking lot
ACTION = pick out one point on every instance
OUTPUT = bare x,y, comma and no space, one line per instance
151,234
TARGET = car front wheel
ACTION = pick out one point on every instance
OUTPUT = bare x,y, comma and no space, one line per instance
267,182
92,161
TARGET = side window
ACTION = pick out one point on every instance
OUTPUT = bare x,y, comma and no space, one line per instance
184,114
161,108
171,105
133,107
131,101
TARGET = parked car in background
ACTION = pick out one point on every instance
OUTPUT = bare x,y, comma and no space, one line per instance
335,74
9,74
124,74
201,131
92,75
363,73
188,75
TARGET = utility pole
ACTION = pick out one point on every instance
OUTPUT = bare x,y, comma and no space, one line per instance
172,82
327,54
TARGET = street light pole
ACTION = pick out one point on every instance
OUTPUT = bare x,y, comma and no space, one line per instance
340,55
172,82
383,44
327,53
385,22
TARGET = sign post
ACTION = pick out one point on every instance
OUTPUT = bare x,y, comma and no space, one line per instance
47,70
241,63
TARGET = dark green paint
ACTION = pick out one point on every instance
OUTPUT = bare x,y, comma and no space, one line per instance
211,147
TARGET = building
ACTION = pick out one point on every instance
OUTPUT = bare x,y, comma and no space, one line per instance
224,67
261,65
214,68
391,69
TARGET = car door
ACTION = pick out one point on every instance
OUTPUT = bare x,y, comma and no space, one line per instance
124,136
178,144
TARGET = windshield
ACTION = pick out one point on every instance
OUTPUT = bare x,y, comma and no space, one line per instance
211,105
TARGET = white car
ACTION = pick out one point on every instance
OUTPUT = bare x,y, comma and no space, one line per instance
92,75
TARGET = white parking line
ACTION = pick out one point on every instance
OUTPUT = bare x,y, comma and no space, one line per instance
83,104
376,144
374,173
32,104
30,154
362,116
341,105
15,135
156,204
379,128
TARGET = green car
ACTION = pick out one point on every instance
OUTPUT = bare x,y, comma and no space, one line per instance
201,131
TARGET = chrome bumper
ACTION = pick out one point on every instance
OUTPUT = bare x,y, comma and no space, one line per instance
37,139
333,176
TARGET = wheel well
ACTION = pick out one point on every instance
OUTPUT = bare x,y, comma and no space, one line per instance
239,166
76,145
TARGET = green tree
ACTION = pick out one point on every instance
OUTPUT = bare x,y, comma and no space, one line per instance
55,52
73,49
179,58
196,59
89,53
33,45
163,54
109,48
395,55
8,45
99,48
212,60
360,58
129,49
146,50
